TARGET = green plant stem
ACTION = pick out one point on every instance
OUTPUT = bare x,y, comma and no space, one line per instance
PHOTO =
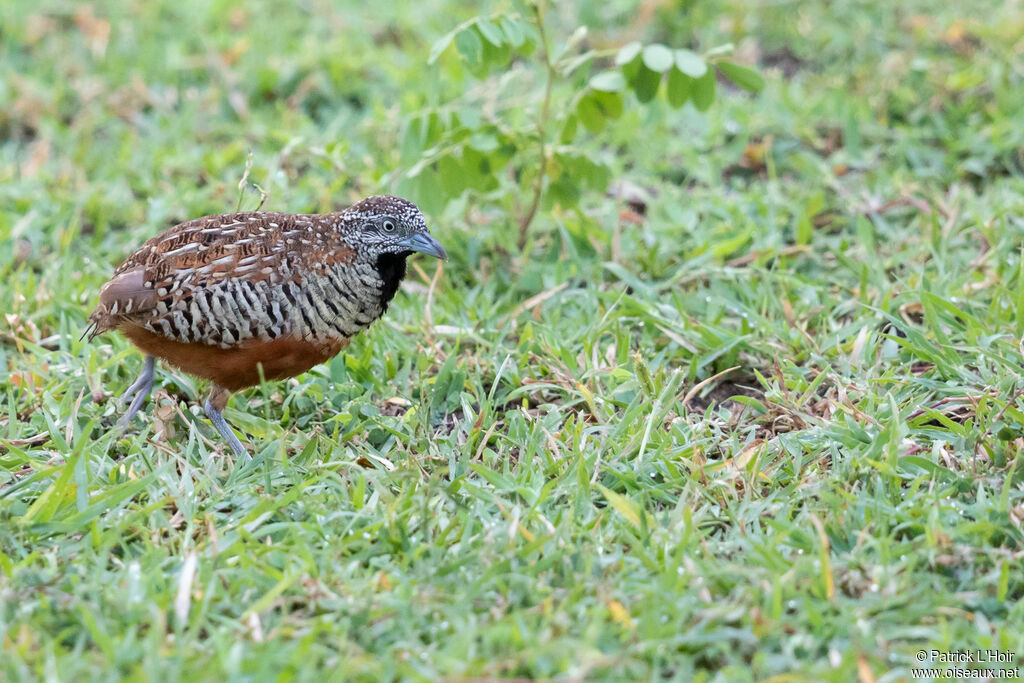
545,112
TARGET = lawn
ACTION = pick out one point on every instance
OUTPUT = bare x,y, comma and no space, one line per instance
755,408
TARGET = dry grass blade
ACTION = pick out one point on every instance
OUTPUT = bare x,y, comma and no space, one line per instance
695,389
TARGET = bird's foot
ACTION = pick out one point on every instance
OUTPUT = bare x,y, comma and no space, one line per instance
217,418
137,393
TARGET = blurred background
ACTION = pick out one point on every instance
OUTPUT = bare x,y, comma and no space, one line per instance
137,115
722,379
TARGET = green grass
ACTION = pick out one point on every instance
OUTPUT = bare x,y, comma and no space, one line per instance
773,426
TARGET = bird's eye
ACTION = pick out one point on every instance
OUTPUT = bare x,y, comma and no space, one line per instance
388,226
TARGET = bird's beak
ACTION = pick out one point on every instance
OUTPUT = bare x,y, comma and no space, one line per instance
425,244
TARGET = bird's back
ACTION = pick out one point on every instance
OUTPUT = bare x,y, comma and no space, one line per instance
235,279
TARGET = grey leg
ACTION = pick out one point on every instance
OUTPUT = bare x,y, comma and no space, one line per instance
213,407
138,392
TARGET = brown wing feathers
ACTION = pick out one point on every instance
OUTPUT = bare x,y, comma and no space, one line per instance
209,267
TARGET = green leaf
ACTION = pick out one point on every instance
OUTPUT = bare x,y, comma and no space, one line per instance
723,49
578,169
469,45
411,145
270,596
440,46
46,505
608,81
748,79
433,127
479,169
568,133
483,142
728,246
690,63
496,55
499,481
928,466
513,31
679,89
505,151
704,91
567,67
426,188
658,58
563,190
804,229
490,32
453,175
629,509
645,83
110,499
610,103
598,176
596,107
628,53
532,38
805,223
589,112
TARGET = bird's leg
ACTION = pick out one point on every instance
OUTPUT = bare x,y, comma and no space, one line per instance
138,391
213,407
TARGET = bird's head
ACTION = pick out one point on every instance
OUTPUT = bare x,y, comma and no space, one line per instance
391,226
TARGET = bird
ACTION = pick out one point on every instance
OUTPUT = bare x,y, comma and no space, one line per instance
239,298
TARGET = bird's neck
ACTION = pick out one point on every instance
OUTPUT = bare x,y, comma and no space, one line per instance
391,268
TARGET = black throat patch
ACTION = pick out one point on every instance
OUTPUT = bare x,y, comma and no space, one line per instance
392,269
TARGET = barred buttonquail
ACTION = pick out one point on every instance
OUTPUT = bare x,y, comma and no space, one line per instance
232,297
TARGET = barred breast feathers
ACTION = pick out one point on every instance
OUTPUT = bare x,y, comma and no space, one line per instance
224,280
